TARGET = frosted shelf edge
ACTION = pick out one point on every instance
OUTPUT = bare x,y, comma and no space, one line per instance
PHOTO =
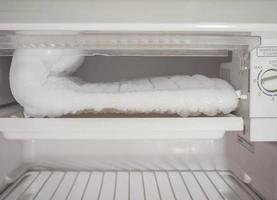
119,128
132,43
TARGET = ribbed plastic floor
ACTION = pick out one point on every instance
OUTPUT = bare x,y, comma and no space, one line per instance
123,185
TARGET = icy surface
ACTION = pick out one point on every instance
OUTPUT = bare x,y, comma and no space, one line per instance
42,82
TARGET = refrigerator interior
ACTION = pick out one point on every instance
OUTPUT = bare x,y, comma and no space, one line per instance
141,157
137,168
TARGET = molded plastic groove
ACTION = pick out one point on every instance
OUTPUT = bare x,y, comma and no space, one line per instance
128,185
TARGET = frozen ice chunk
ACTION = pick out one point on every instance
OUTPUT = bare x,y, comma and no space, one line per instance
43,84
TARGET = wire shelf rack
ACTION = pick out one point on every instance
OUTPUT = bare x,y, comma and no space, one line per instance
131,185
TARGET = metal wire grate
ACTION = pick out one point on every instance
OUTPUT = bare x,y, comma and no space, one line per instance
131,185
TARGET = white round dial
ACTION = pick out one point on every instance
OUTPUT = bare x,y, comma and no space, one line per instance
269,80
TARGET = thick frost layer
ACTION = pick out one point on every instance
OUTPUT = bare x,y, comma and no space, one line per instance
43,85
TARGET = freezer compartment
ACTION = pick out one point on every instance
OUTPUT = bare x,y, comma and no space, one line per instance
156,54
39,57
118,76
47,87
14,125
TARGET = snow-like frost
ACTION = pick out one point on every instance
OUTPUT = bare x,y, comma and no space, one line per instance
42,82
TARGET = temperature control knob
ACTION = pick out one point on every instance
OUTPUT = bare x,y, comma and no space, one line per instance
269,80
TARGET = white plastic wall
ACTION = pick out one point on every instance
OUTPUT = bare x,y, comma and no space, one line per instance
101,68
130,154
11,156
11,160
260,164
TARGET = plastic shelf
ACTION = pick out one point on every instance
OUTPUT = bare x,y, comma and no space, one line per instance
119,128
